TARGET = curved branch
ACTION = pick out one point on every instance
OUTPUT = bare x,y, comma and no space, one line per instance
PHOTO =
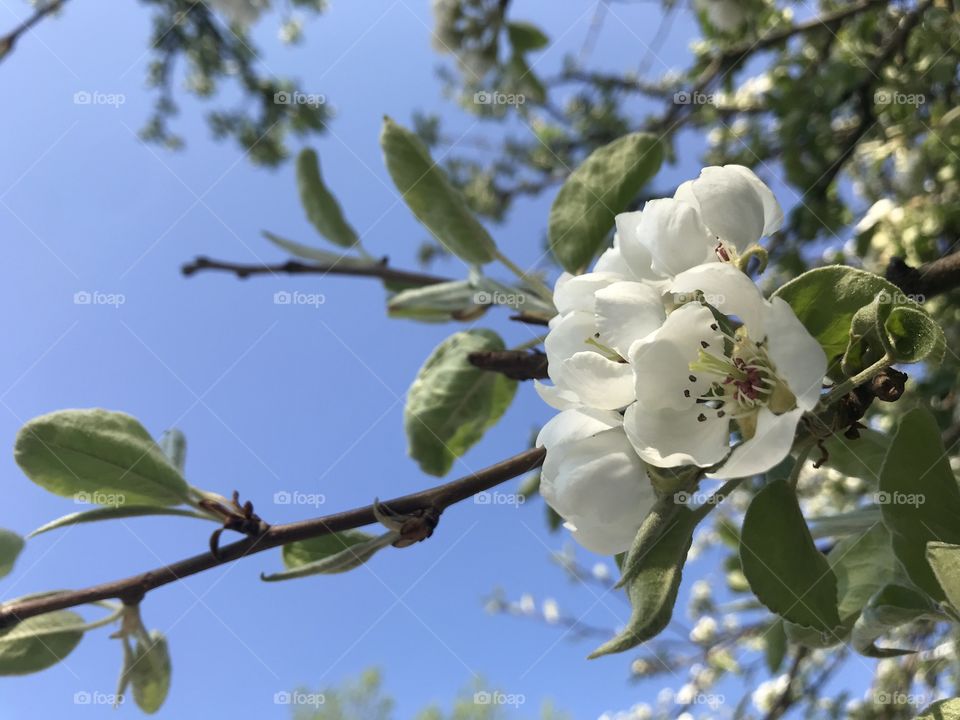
378,270
131,590
932,278
9,40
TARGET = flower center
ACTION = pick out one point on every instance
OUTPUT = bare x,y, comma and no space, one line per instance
741,382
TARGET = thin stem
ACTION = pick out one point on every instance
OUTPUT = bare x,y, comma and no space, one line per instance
131,590
533,281
841,389
802,456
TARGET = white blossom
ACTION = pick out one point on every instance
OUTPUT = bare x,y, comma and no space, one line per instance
768,692
724,15
240,12
704,631
694,378
593,479
551,611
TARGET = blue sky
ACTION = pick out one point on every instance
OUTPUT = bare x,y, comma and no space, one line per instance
270,397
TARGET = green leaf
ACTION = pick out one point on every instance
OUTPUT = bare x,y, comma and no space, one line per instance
653,589
859,458
428,193
39,642
863,565
452,403
918,497
114,513
775,645
150,670
827,299
603,186
330,554
851,522
456,300
784,568
944,559
890,607
174,446
323,210
525,36
10,546
662,516
98,456
941,710
895,326
324,257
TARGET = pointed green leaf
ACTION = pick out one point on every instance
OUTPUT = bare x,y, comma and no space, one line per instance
944,559
784,568
526,36
323,210
604,185
863,565
114,513
653,589
324,257
10,546
174,446
775,646
452,403
98,456
456,300
890,607
150,671
330,554
428,192
39,642
918,497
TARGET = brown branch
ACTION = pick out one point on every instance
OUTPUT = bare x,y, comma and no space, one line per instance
930,279
378,270
515,364
9,40
131,590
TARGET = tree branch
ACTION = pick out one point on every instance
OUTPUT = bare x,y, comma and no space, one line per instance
9,40
131,590
515,364
930,279
378,270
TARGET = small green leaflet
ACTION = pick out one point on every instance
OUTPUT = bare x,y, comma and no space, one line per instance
322,208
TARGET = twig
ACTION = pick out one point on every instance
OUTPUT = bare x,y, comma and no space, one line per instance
131,590
9,40
294,267
515,364
930,279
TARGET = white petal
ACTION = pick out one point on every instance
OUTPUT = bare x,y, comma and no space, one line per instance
600,487
767,448
632,249
729,205
626,312
559,398
611,261
772,212
675,235
568,335
729,290
574,293
599,382
661,361
668,437
799,359
572,425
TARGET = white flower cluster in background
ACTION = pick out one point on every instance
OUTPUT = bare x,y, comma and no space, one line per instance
666,354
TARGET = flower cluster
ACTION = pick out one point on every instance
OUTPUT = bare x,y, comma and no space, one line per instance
668,355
